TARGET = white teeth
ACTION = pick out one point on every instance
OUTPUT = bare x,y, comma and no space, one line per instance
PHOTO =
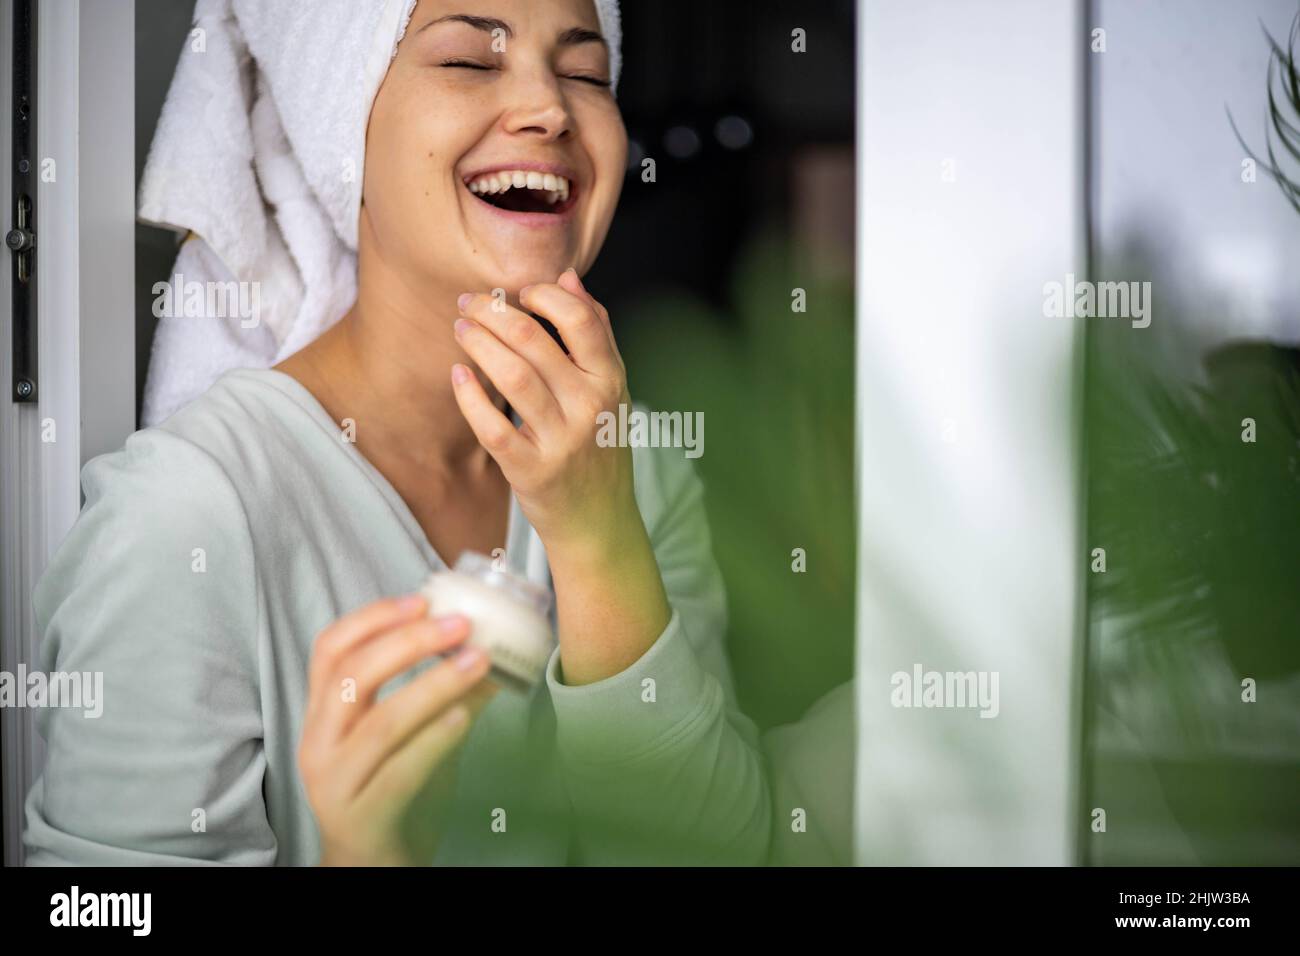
555,188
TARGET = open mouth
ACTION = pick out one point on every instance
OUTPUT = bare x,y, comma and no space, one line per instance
518,190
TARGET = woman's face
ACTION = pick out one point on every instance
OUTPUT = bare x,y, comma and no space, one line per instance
483,93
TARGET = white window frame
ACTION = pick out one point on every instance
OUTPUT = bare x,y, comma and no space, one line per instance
968,475
85,116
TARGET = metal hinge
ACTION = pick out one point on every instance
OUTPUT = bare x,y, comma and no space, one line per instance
21,236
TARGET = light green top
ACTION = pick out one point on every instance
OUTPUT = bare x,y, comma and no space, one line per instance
204,658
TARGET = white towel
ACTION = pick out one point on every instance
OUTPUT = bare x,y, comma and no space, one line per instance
259,152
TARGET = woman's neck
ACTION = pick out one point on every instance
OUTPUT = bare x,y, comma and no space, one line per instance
386,366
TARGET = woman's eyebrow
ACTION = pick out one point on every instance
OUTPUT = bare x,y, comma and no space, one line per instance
576,35
573,36
486,24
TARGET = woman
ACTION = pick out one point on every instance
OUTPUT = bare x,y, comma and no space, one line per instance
237,571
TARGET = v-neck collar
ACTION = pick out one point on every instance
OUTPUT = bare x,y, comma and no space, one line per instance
524,551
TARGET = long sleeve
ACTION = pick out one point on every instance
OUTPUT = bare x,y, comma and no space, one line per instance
154,592
660,764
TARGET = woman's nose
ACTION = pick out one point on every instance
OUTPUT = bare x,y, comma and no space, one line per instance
540,111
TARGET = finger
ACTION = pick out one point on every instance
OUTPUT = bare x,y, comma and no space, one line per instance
384,728
494,431
374,663
580,325
512,374
349,630
571,282
524,335
406,771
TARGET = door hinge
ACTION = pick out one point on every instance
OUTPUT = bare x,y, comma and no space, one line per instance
21,236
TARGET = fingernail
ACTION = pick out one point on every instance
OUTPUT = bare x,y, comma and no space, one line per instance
452,623
409,603
464,298
524,290
459,374
469,658
455,716
461,326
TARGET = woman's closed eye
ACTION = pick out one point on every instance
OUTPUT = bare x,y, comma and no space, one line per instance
467,64
584,78
474,65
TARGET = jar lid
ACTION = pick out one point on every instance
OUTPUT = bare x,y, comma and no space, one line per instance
495,572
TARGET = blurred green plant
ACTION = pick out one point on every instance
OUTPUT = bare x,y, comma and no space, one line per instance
776,389
1284,117
1193,457
1202,536
1201,526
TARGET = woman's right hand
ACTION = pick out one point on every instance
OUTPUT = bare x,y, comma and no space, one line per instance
370,767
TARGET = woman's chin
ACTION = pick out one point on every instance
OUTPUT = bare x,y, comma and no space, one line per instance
548,273
516,272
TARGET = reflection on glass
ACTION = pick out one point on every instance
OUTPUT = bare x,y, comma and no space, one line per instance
1192,743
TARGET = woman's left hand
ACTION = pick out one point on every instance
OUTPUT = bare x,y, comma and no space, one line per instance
575,493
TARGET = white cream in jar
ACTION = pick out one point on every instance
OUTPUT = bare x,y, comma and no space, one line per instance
508,615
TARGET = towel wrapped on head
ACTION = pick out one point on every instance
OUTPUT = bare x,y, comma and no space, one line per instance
258,154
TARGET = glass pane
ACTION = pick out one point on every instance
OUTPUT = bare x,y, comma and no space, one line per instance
1193,420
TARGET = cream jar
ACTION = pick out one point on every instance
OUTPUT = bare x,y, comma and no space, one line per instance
508,615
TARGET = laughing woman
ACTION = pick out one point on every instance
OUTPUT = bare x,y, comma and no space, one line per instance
404,189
